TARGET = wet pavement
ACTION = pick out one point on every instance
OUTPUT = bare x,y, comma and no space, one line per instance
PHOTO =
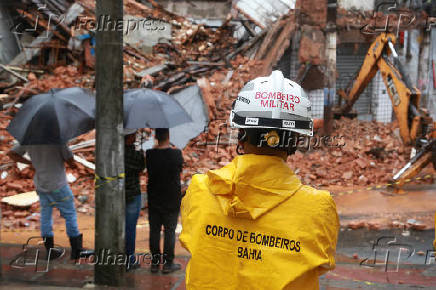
383,209
387,258
409,255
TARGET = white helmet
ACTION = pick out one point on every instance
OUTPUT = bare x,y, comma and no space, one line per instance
273,102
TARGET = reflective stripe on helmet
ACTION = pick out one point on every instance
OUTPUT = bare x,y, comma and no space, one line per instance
272,123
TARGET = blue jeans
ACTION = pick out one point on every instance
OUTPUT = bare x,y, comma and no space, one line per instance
63,200
132,213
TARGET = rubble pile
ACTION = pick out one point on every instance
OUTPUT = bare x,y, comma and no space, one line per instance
364,153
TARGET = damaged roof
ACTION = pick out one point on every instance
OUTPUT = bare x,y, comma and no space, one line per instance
264,12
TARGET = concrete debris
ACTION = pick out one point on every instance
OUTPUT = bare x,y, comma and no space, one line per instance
22,199
356,225
84,162
71,178
21,166
416,225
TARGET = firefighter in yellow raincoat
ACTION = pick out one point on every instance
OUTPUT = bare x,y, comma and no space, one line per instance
252,224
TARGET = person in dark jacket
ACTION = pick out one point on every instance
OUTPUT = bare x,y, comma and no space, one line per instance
164,165
134,164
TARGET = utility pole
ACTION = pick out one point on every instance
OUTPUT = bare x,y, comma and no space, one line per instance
330,72
109,195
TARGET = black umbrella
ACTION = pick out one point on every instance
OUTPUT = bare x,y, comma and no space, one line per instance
146,108
54,117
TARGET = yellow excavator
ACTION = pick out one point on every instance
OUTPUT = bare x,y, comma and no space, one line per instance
417,128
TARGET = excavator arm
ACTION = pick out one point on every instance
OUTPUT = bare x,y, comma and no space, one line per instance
366,73
405,100
414,122
405,97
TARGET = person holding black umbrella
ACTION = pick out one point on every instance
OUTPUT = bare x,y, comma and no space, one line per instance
53,191
164,165
43,126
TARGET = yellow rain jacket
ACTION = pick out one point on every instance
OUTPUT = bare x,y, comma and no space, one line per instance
253,225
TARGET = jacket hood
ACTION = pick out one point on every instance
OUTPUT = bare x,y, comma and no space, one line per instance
252,185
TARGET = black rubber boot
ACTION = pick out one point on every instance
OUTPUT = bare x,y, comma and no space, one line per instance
77,250
52,252
171,267
155,263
